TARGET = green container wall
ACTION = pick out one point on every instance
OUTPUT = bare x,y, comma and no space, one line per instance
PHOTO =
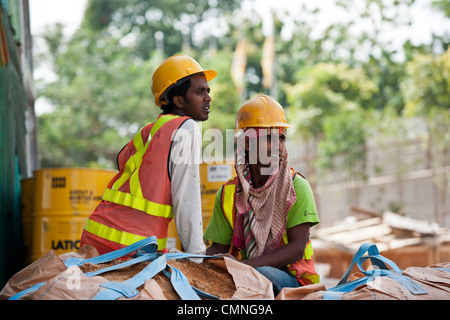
13,106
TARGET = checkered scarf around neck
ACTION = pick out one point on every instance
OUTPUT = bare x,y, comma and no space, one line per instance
261,213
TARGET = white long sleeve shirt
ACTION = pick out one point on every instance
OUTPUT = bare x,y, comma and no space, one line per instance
185,178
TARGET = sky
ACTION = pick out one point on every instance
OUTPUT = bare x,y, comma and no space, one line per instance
43,12
70,13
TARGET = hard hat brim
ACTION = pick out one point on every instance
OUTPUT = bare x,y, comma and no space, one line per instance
209,74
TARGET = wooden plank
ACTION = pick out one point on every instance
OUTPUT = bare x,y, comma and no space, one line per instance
365,211
362,234
342,227
405,223
401,243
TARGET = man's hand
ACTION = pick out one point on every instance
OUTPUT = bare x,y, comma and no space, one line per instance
217,248
293,251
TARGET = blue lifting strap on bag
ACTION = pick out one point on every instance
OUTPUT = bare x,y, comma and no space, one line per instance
145,250
182,286
380,270
371,249
19,295
148,245
114,290
178,280
143,258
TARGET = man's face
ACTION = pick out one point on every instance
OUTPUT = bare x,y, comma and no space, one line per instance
197,102
266,149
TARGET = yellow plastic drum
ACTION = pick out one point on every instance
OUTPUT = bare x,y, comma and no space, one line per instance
212,177
63,199
173,241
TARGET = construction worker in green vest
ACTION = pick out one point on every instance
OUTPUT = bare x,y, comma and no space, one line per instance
264,214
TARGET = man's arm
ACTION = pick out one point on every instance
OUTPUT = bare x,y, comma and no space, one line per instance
298,225
185,178
218,231
293,251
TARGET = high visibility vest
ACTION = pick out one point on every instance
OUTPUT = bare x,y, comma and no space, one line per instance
304,269
137,202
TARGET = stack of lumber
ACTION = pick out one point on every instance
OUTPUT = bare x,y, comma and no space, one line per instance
406,241
389,231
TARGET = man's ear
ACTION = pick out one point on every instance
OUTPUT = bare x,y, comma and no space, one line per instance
178,101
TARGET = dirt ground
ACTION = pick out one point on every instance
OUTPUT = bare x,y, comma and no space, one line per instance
211,276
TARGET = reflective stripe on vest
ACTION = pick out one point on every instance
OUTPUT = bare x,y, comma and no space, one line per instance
305,266
111,234
134,198
227,208
228,202
138,203
133,164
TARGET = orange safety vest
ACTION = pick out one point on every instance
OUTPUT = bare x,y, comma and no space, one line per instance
137,202
304,269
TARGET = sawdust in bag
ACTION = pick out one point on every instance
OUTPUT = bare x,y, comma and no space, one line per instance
224,278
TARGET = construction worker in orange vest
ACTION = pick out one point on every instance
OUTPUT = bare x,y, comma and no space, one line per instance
158,177
263,215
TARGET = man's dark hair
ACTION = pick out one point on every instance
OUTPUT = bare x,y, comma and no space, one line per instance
179,89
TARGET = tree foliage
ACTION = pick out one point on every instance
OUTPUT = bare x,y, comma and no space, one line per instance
326,90
188,23
330,80
101,97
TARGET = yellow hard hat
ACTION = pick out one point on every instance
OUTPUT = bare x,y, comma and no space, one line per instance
261,112
173,69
